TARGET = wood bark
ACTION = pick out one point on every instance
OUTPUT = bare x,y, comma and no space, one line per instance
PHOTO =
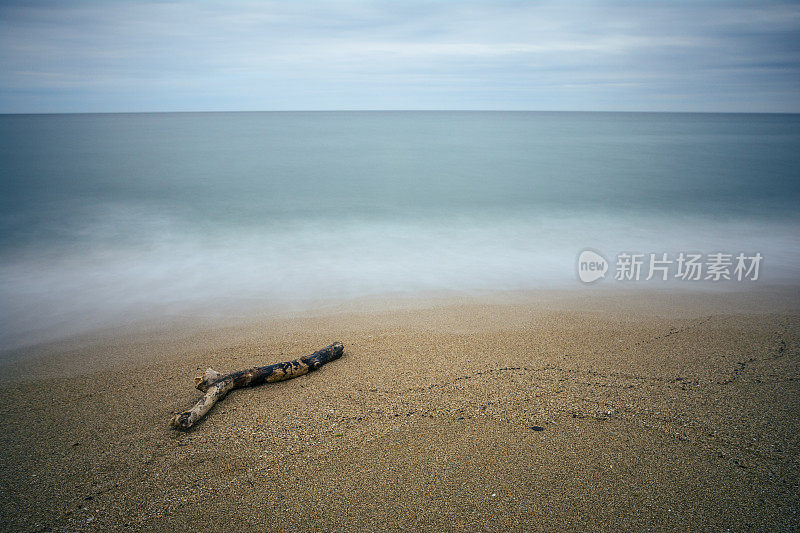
216,386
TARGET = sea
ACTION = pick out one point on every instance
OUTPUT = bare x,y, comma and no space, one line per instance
113,218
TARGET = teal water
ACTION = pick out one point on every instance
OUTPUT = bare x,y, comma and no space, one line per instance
106,218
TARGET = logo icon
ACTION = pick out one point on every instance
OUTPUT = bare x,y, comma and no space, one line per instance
591,266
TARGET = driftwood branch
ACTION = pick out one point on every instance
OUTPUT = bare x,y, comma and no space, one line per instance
216,386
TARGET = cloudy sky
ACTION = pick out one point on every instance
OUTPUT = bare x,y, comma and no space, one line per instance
75,56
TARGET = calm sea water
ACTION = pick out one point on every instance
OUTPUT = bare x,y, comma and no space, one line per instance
106,218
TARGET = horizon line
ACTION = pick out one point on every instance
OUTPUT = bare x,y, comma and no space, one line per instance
29,113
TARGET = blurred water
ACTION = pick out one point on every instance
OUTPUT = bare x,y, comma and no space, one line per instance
107,218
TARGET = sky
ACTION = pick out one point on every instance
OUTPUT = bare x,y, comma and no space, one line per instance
649,55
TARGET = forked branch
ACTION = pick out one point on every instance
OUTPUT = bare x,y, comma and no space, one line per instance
216,386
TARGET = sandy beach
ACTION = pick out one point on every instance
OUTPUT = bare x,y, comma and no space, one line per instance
591,410
488,266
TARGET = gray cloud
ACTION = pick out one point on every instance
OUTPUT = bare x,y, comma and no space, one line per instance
163,56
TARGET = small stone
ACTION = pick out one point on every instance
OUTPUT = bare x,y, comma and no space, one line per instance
537,428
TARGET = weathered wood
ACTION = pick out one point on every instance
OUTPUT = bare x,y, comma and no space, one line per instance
216,386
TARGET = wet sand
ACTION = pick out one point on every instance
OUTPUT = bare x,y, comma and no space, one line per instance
588,410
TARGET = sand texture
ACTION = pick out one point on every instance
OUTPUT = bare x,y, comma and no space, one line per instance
539,411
